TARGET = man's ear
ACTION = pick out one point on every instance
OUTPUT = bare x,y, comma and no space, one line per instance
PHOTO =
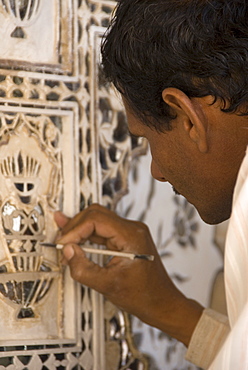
189,116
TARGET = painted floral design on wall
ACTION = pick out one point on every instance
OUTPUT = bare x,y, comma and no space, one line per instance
185,223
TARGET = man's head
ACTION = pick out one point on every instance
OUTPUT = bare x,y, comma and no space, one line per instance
182,66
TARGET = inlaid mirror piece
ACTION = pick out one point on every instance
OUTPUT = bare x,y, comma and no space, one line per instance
64,145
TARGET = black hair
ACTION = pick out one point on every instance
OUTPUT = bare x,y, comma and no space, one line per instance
197,46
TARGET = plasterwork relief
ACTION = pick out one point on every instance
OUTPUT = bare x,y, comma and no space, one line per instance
30,272
49,50
31,183
63,146
116,149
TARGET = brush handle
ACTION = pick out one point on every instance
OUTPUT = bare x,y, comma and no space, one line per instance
105,252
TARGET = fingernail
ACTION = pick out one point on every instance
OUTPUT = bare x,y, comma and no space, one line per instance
68,252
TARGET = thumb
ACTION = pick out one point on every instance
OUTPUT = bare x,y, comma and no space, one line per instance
69,252
84,270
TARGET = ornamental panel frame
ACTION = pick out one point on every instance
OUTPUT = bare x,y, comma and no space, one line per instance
51,51
44,138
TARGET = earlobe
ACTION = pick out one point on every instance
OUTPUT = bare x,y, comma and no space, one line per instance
199,138
189,116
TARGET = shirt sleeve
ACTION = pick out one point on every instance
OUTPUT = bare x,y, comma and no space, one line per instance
207,339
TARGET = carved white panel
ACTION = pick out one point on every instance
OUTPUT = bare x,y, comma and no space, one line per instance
64,145
37,176
25,46
114,142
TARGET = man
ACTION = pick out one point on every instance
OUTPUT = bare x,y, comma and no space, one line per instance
182,69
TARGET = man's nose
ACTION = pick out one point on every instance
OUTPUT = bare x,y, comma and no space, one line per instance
156,172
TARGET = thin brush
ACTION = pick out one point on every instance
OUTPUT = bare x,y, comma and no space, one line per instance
106,252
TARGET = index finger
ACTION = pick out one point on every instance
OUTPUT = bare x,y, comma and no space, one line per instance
67,223
96,224
61,219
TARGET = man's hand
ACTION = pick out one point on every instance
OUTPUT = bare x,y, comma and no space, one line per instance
142,288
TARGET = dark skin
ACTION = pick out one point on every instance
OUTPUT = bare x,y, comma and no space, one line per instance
200,157
140,287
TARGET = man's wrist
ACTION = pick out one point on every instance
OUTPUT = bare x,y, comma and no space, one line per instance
185,319
179,320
